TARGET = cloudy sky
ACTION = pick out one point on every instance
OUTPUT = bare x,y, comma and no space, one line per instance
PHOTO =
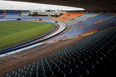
14,5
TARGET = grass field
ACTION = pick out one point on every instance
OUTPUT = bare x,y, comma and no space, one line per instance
16,32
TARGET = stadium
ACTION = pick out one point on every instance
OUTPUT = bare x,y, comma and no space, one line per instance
59,43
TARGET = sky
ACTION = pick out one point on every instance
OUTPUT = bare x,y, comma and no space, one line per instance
15,5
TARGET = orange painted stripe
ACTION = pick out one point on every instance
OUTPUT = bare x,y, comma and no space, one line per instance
24,15
93,30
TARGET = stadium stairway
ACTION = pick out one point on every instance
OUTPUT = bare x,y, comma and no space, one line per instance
79,60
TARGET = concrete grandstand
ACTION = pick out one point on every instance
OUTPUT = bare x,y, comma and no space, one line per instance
82,44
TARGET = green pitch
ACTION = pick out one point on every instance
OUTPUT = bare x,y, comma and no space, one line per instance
16,32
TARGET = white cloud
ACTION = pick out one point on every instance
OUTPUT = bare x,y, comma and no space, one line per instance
14,5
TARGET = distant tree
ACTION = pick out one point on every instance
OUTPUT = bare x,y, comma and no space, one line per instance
56,15
30,14
60,14
48,10
35,14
